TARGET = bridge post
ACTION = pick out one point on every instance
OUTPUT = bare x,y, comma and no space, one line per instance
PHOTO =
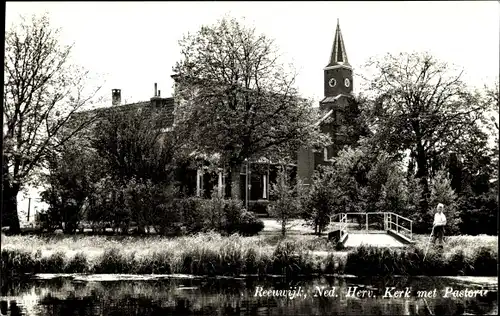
411,230
397,224
366,221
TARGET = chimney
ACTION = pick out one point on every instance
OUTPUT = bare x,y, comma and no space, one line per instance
156,87
159,93
116,97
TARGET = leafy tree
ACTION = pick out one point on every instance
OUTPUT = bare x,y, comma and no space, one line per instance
413,197
71,179
320,200
99,209
287,199
140,161
42,91
214,212
473,172
421,105
441,192
132,146
237,100
474,177
363,179
151,205
368,180
395,193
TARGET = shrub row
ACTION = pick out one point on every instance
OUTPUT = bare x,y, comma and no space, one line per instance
228,260
225,216
413,261
177,217
286,259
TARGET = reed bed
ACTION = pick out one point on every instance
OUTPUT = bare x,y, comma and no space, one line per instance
212,254
461,255
202,254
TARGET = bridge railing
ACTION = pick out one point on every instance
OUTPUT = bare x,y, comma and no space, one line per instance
399,224
342,223
391,221
364,221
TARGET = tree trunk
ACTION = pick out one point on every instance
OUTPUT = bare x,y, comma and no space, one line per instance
422,175
455,171
235,182
9,207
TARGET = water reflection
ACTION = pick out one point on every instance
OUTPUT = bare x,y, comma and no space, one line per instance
81,295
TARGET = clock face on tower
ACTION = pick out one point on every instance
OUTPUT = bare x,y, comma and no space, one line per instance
332,82
347,82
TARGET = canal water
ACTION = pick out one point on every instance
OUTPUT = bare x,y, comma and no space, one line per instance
187,295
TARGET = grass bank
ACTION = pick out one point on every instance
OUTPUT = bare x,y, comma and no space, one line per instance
212,254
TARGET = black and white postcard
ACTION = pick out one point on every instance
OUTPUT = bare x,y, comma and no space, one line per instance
250,158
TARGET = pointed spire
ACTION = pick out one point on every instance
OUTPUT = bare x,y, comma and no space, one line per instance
338,55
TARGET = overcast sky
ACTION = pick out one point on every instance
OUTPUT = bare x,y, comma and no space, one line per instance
134,44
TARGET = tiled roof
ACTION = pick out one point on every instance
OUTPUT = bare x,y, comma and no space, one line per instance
163,106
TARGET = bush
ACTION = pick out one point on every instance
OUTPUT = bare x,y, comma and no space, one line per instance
112,261
226,216
168,219
251,263
17,262
458,262
485,262
213,213
249,224
155,263
233,211
290,259
192,214
78,264
55,263
261,208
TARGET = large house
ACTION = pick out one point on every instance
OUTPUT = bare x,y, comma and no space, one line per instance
256,176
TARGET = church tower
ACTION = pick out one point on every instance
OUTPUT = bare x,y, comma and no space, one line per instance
337,74
336,110
338,85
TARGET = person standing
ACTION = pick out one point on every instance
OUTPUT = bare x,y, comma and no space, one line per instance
439,223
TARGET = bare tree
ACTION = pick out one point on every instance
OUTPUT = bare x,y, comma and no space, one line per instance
42,91
237,100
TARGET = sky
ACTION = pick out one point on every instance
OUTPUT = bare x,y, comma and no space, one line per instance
132,45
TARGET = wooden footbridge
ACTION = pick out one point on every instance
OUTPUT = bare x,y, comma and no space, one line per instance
379,229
